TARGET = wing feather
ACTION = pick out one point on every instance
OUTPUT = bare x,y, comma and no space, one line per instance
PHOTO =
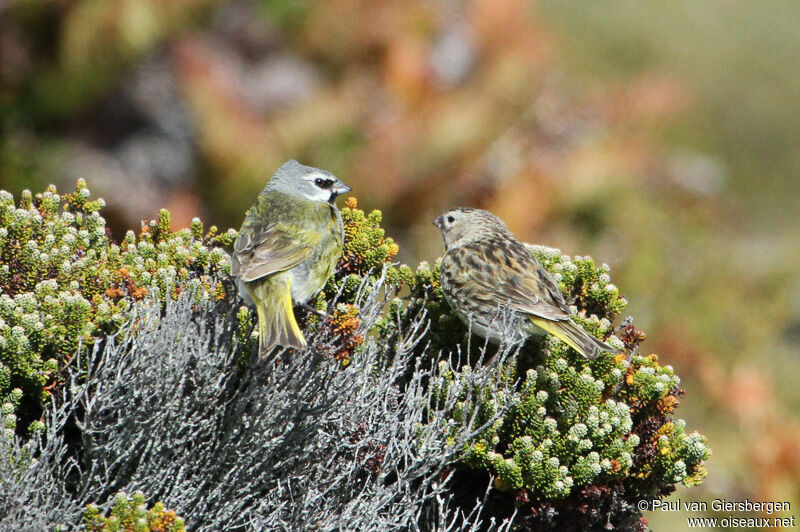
273,249
517,279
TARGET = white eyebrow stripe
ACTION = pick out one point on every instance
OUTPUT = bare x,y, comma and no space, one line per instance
311,176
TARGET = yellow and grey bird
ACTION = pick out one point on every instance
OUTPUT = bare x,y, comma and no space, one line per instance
485,271
287,248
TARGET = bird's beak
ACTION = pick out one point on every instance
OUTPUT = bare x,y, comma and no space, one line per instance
438,222
341,188
338,188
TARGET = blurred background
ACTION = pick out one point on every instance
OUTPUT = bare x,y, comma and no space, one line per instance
660,138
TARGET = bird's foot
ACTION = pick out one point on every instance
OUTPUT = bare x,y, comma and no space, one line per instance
312,310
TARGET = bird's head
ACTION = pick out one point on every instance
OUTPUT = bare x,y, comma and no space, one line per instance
307,182
464,224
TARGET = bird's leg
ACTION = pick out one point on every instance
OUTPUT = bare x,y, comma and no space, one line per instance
311,309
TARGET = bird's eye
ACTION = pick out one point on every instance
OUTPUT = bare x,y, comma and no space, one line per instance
450,219
323,183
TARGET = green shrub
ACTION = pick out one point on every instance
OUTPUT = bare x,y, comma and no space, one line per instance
64,282
367,254
569,422
568,442
130,514
566,423
367,251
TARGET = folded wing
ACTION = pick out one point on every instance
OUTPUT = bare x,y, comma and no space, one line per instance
273,249
518,282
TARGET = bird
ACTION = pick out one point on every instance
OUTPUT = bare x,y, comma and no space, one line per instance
287,248
486,271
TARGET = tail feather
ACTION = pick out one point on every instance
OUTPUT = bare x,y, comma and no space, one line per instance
574,336
276,322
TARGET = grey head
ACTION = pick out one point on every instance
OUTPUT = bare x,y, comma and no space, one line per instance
462,225
307,182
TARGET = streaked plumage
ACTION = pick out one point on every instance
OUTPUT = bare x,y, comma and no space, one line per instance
287,248
485,269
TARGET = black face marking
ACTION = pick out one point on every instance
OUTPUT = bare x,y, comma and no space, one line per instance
323,182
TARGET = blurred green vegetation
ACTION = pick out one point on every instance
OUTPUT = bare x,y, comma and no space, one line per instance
731,251
737,59
657,137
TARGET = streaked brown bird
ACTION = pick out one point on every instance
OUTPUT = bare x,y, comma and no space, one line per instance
485,271
288,246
